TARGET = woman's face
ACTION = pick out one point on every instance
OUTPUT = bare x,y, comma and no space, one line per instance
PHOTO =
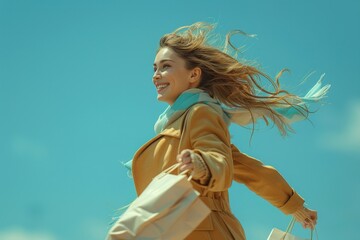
171,77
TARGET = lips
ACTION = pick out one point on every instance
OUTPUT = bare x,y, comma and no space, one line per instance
161,87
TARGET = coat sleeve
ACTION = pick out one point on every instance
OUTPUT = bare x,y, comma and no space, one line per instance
265,181
207,135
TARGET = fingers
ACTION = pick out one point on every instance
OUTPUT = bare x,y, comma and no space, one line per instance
311,220
185,158
313,215
308,223
306,217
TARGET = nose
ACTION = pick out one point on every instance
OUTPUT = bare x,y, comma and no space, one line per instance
156,75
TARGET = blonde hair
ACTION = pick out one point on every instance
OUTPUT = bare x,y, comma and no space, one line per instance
226,79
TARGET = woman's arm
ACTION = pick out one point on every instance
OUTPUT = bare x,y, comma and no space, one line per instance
205,148
268,183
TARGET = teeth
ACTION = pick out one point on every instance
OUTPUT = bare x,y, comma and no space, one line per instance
161,86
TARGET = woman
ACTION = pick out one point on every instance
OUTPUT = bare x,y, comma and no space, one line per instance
206,89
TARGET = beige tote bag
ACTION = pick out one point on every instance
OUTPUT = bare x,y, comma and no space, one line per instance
169,208
277,234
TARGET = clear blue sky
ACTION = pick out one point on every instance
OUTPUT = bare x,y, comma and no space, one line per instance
76,99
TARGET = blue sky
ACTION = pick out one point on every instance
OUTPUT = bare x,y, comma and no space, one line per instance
76,99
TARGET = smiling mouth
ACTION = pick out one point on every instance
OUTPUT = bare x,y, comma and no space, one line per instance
161,87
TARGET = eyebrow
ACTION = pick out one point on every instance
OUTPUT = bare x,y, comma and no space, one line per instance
164,60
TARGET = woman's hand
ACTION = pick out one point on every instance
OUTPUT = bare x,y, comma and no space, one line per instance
192,162
307,217
186,159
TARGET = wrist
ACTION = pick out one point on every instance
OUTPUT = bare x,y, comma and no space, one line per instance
201,172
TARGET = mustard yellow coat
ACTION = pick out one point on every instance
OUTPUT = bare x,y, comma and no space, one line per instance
203,130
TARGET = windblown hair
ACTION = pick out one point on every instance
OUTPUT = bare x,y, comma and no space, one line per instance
226,79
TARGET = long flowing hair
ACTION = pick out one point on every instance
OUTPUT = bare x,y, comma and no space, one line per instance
225,78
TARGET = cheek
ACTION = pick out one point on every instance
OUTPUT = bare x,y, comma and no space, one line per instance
167,74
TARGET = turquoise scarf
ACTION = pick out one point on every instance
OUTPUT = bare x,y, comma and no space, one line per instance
183,102
241,116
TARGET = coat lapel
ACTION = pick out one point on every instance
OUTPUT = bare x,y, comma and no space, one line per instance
173,130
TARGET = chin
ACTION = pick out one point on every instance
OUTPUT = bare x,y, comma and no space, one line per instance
163,99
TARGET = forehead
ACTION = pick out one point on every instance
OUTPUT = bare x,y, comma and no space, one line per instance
166,54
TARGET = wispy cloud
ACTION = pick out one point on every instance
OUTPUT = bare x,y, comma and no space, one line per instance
20,234
345,136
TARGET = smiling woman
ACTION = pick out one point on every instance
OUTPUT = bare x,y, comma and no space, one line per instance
206,90
171,76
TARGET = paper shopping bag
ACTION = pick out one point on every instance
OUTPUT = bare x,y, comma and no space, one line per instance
277,234
169,208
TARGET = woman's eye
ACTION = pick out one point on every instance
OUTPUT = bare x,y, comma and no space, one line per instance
165,66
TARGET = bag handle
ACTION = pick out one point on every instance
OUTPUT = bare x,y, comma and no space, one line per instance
173,167
291,226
